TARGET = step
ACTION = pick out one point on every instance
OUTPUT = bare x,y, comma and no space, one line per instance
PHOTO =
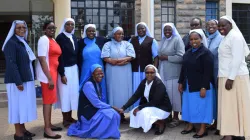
4,103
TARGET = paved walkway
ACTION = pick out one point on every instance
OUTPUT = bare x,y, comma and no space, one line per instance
127,133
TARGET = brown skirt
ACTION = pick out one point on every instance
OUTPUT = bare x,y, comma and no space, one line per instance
234,107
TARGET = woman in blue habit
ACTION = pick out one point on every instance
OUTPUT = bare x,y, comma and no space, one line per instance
96,119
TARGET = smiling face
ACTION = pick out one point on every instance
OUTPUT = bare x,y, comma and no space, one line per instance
141,30
168,31
195,24
90,32
224,26
211,26
150,73
98,75
195,40
20,29
50,29
69,26
118,36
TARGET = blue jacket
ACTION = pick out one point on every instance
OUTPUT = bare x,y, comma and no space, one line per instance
17,62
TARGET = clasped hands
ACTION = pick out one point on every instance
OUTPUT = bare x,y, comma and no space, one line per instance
120,110
119,62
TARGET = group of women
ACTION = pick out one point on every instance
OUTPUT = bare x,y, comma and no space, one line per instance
73,77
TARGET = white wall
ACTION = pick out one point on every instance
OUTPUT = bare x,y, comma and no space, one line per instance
10,6
229,5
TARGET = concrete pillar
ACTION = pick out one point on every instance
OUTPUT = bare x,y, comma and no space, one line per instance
62,10
147,14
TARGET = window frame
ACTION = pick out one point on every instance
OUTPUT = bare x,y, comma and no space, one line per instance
168,7
218,9
127,31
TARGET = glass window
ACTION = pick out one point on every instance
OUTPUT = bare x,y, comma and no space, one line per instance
212,10
241,15
168,11
105,14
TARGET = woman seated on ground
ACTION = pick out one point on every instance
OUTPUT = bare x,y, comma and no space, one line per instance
154,105
96,119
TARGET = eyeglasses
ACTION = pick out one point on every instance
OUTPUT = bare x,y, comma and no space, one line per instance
150,72
51,28
19,28
70,24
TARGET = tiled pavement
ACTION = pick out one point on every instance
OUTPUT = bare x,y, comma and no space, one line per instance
6,130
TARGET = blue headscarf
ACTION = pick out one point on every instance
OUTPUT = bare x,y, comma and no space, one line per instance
89,74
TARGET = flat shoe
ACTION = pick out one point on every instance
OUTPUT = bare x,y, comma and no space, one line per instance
200,136
56,128
52,137
188,131
159,132
22,137
27,133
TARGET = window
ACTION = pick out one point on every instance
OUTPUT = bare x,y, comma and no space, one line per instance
241,15
168,12
212,10
105,14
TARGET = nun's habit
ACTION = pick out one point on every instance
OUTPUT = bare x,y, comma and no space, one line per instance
89,54
68,93
19,71
169,70
233,105
146,49
197,73
96,119
154,103
119,78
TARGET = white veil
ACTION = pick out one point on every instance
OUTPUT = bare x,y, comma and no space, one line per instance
235,28
85,29
63,25
203,36
147,29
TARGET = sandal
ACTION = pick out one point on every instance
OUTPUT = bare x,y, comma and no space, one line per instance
174,123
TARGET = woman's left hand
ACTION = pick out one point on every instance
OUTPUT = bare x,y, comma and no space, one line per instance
163,57
135,111
122,63
203,93
229,84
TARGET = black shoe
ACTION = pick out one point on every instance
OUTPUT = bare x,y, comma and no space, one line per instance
238,138
200,136
217,132
188,131
22,137
27,133
52,137
56,128
159,132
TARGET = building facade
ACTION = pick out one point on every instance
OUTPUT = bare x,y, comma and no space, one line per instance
107,14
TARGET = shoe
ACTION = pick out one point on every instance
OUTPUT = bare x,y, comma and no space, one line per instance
52,137
159,132
200,136
188,131
22,137
217,132
27,133
238,138
56,128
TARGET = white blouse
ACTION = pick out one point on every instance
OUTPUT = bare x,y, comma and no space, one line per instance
232,56
147,89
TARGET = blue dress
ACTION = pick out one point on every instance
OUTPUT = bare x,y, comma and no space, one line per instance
92,55
103,124
213,45
140,75
119,78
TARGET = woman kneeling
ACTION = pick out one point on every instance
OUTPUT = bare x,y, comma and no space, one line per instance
154,104
96,119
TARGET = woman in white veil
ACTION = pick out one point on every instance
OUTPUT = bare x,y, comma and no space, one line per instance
234,85
68,83
170,52
19,80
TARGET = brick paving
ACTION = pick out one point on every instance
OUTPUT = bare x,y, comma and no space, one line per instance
127,133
